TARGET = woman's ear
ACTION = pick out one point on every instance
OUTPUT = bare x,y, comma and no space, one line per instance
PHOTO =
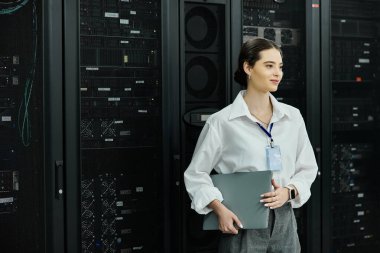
247,68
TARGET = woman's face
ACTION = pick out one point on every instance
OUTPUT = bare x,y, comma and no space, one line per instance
267,73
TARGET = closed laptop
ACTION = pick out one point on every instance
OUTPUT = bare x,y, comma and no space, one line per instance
241,193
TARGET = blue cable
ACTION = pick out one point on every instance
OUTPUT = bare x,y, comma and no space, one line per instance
25,127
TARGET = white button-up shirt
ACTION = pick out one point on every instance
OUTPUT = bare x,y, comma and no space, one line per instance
231,141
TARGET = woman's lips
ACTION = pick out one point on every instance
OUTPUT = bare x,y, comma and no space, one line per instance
275,81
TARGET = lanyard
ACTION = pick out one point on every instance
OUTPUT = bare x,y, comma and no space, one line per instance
267,133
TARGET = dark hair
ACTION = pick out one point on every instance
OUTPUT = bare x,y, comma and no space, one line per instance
250,53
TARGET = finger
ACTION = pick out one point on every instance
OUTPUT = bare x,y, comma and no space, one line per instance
237,221
233,230
272,204
228,228
269,199
268,194
276,205
224,230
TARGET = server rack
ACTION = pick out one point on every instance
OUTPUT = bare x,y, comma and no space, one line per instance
21,163
350,46
204,88
296,27
299,36
31,127
348,125
121,126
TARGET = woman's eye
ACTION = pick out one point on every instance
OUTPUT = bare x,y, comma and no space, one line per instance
268,66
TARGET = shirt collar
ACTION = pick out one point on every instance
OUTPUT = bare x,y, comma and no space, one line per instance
239,108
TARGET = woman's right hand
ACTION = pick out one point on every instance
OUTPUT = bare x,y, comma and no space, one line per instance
226,217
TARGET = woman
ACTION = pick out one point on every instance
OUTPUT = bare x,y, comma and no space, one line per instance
238,138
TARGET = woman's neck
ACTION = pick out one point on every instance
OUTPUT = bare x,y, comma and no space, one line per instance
258,103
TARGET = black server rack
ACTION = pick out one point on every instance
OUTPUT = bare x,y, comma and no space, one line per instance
31,208
204,89
21,159
350,193
295,27
120,126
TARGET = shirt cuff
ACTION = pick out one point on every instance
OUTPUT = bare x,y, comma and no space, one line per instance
203,197
303,194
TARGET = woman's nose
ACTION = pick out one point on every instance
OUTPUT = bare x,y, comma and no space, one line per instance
277,71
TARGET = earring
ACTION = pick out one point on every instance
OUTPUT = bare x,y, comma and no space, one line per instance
249,77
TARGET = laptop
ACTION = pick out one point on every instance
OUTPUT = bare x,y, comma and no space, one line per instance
241,193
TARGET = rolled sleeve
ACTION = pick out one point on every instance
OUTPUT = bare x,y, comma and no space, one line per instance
197,176
203,197
303,194
305,168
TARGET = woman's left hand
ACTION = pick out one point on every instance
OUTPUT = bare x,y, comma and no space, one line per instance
276,198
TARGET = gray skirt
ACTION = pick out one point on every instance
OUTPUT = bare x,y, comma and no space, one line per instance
280,236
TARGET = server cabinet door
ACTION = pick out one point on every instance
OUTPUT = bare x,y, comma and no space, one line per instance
350,190
120,126
30,128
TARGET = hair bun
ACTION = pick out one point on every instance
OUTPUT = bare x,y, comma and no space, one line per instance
240,77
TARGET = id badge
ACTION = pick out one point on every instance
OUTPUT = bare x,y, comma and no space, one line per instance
274,158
